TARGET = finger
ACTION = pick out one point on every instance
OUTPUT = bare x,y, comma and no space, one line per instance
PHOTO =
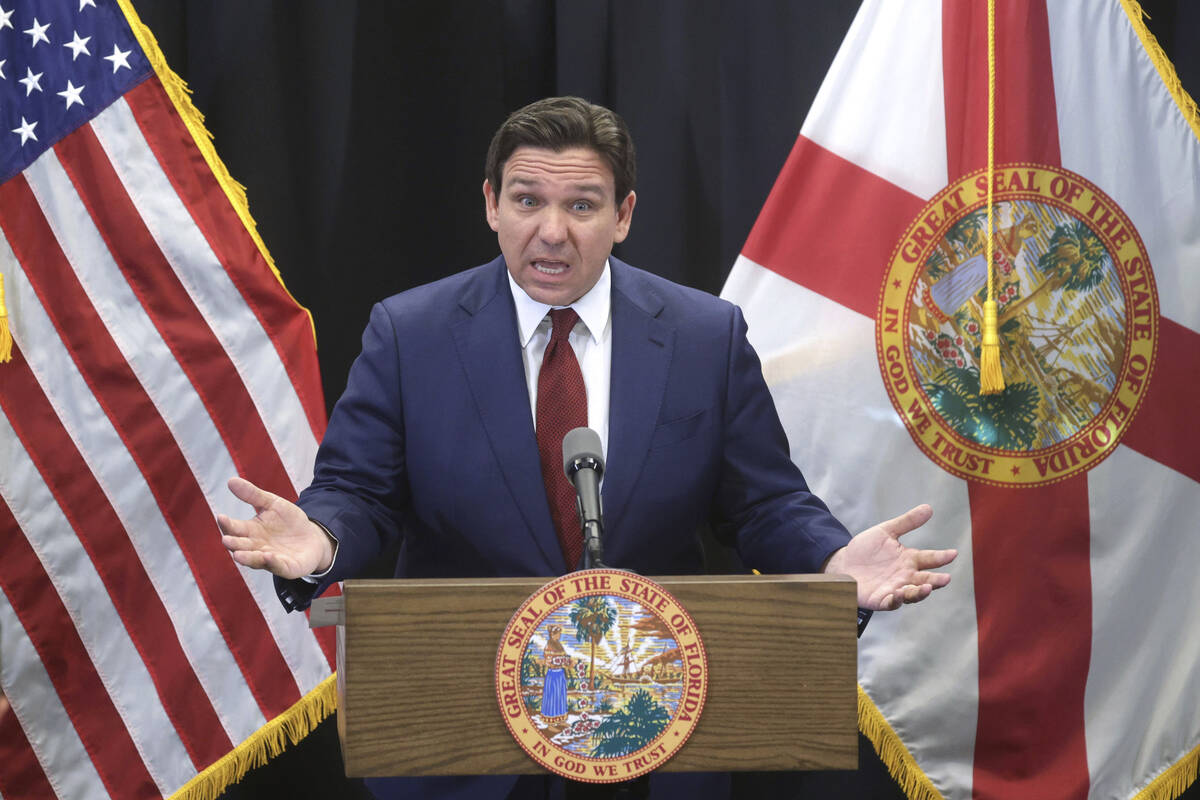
934,579
915,594
890,601
235,544
247,492
932,559
909,593
908,521
265,560
233,527
255,559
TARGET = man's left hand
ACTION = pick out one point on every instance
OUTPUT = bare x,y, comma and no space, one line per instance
888,573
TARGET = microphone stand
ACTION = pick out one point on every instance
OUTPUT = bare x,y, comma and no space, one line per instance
584,466
593,551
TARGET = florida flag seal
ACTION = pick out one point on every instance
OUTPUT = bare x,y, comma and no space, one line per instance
1077,324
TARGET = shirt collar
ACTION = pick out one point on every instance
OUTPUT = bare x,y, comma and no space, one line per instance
593,308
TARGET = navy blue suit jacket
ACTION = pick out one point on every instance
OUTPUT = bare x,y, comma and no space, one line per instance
432,445
433,442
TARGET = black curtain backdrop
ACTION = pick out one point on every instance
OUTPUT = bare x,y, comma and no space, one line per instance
359,129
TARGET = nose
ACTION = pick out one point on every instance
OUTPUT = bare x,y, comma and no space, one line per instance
553,226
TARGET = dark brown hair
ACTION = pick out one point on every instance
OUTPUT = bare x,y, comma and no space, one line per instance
557,123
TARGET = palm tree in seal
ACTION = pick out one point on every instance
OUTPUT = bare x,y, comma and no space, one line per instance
1007,421
632,728
1075,260
593,617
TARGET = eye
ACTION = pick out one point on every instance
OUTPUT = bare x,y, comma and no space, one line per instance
525,201
581,206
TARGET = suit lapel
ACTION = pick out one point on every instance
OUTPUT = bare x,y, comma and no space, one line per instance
642,346
488,347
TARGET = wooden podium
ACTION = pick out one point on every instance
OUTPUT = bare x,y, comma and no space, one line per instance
416,674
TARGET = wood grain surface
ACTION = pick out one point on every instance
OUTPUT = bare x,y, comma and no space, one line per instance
417,659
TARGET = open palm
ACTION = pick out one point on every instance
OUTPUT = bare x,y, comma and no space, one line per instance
279,538
888,573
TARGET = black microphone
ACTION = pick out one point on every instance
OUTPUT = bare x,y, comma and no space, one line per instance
583,462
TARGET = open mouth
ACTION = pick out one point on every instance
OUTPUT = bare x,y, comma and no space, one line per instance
550,267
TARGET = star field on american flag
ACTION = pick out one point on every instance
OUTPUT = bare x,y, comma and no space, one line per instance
60,65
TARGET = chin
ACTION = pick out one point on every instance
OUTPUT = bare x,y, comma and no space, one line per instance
552,296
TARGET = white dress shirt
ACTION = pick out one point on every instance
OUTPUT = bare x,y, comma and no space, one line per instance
591,340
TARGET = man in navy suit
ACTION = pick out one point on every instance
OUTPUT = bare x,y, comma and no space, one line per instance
433,445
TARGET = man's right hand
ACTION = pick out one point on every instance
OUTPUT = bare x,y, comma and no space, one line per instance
280,538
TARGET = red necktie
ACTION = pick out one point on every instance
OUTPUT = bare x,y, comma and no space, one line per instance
561,407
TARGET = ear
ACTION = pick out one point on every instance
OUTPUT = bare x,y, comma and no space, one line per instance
624,217
491,206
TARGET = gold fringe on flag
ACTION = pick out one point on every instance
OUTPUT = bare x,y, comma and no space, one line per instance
991,375
177,89
1166,70
5,333
267,742
1177,778
892,752
1174,781
915,784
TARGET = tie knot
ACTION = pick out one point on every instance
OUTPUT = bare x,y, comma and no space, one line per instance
563,320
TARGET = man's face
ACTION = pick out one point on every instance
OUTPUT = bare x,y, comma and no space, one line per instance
557,218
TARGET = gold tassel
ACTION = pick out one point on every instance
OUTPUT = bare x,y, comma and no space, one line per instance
991,375
5,332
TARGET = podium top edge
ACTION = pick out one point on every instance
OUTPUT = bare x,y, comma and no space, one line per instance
534,582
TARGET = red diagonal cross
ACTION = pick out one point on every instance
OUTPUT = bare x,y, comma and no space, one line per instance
1031,546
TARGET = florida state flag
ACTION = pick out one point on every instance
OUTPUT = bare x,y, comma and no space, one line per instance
1062,661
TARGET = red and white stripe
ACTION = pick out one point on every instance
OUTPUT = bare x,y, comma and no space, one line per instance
155,356
1058,663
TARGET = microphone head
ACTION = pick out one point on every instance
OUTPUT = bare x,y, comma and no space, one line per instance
581,447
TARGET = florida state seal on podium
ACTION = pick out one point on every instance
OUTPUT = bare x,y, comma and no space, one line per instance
601,675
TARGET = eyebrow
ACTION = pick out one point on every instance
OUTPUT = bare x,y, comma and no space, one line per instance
583,188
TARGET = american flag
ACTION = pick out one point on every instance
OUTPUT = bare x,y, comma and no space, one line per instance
155,354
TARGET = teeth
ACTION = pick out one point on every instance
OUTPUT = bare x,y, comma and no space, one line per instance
548,269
